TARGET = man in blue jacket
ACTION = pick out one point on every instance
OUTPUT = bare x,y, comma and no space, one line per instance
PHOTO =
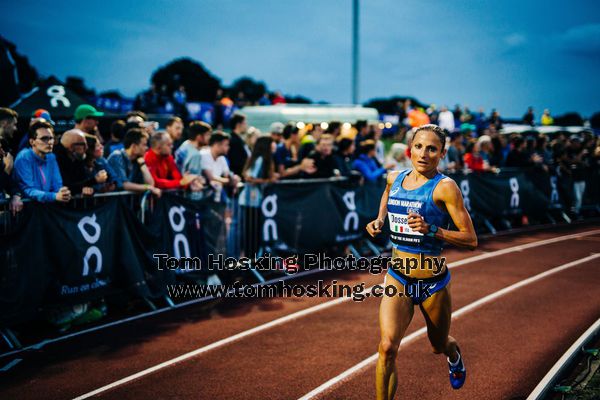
36,170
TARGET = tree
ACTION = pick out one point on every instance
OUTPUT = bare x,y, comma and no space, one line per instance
595,120
17,76
390,105
569,119
77,85
200,84
252,89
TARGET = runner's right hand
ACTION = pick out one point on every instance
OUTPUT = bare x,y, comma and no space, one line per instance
374,227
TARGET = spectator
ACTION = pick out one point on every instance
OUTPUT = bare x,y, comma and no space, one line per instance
199,134
518,156
251,135
277,132
70,155
8,126
529,118
446,119
161,165
136,116
117,131
238,151
86,120
40,113
375,134
546,118
323,159
495,120
278,98
398,158
259,169
36,170
175,130
472,157
287,161
213,163
264,100
334,128
366,163
362,133
129,164
455,152
577,159
95,163
309,141
345,156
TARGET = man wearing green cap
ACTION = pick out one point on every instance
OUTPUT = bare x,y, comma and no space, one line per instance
86,119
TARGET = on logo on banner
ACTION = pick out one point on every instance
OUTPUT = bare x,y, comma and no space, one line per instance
92,238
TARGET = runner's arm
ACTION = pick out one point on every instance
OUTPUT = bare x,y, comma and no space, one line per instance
374,227
449,193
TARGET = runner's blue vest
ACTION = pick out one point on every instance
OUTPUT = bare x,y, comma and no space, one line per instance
420,201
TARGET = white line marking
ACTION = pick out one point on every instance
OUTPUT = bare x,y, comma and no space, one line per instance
541,389
413,336
308,311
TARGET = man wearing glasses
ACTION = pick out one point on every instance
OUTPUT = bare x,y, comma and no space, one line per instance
70,155
36,170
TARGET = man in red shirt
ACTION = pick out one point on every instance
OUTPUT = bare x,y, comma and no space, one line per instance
161,165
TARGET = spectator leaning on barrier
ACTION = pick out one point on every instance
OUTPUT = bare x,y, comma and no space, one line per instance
518,156
287,162
129,164
8,126
36,170
238,150
70,155
161,165
95,163
366,163
213,163
198,136
174,128
323,158
259,169
344,156
86,119
117,131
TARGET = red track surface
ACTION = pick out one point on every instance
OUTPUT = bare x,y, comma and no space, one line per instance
508,344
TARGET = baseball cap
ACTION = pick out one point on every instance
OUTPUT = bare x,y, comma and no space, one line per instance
277,128
41,113
85,111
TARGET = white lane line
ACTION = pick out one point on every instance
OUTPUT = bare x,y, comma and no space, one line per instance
413,336
543,388
309,311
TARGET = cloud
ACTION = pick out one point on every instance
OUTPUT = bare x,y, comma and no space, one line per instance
582,40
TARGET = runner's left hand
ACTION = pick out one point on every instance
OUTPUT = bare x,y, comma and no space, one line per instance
417,223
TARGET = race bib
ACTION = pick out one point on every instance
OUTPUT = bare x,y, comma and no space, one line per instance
401,233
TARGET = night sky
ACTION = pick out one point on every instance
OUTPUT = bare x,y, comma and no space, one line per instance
506,54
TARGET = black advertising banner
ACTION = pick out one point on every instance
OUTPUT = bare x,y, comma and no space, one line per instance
189,228
23,277
310,217
501,195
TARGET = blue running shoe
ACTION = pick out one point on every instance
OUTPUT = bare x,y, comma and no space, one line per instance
458,372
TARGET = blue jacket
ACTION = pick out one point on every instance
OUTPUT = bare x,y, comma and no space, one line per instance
368,167
38,178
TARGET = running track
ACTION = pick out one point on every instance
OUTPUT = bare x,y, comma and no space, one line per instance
509,340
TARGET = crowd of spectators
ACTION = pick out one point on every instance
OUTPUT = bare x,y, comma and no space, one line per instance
138,157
